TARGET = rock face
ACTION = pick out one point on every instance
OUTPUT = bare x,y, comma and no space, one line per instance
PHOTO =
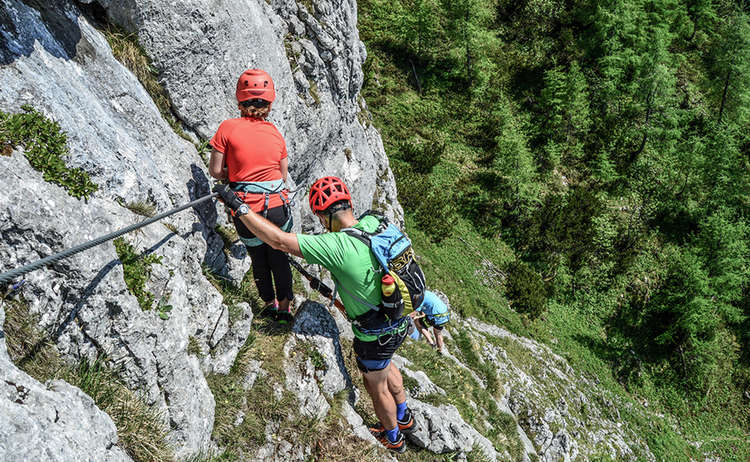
566,415
52,58
315,58
441,429
54,422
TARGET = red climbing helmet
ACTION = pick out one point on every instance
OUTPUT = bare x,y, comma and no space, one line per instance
327,191
255,84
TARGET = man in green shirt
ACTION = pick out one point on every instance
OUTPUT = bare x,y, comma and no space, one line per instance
357,271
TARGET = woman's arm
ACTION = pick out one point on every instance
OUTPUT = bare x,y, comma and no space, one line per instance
216,165
284,164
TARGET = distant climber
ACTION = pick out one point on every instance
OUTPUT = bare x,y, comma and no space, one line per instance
251,153
356,270
432,313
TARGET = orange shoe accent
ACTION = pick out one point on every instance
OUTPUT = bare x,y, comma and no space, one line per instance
398,446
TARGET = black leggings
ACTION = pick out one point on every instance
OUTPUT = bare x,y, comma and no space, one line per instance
268,261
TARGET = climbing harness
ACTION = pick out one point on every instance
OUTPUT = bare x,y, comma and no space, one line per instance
10,275
398,327
243,189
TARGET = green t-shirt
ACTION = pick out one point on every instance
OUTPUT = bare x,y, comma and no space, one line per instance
351,263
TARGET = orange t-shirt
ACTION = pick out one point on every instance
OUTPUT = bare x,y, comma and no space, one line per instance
253,150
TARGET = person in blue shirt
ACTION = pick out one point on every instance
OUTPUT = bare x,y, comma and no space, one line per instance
434,314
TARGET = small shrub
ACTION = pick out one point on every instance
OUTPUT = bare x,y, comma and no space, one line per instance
317,359
194,348
525,288
163,308
45,146
422,155
137,270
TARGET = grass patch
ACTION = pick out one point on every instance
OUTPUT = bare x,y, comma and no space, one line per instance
470,352
461,388
139,427
136,271
45,146
204,151
246,292
143,208
171,227
228,235
128,51
308,4
457,267
292,56
314,92
194,347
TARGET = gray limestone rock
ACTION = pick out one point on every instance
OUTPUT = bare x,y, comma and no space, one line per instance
61,65
441,429
51,422
553,404
301,380
227,337
55,60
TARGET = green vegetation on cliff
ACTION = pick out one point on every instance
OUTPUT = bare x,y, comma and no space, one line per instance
587,164
45,145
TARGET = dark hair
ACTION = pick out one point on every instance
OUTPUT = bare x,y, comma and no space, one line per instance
337,207
254,102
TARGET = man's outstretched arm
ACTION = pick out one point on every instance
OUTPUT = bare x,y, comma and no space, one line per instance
271,234
262,228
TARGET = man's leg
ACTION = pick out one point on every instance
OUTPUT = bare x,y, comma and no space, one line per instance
396,384
396,388
377,386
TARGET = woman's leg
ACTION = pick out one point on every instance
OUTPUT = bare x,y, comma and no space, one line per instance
262,273
282,277
261,270
278,262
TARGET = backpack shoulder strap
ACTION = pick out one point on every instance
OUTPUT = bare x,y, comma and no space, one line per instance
359,234
374,213
354,296
364,236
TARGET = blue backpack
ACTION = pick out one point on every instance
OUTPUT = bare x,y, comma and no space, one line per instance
393,250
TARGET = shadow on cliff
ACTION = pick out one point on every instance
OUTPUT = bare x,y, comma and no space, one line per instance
20,29
198,187
312,319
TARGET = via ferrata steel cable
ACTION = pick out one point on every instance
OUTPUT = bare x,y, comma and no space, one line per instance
10,275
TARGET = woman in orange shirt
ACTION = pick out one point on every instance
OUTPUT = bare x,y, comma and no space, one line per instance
251,153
